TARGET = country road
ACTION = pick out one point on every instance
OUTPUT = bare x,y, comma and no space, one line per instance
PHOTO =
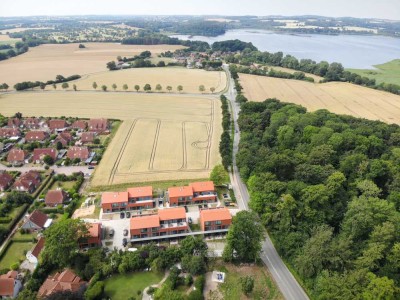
287,284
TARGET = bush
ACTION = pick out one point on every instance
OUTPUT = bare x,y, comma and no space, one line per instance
151,290
195,295
247,283
199,283
95,291
15,266
189,280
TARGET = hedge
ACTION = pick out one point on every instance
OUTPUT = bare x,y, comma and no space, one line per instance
11,225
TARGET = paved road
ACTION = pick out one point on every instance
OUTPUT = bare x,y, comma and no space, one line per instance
288,285
68,170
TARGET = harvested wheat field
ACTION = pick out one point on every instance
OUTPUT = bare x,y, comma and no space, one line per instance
337,97
45,62
190,79
163,137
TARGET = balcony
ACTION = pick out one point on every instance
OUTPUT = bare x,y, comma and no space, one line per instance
205,195
173,225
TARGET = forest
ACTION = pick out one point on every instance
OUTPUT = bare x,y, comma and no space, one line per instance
327,187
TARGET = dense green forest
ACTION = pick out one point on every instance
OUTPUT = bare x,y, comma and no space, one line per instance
327,187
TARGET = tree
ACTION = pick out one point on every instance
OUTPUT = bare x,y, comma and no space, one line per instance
111,65
212,89
125,87
65,85
94,85
147,87
137,88
104,88
243,241
48,160
202,88
54,86
95,291
42,86
59,145
161,64
169,88
158,87
247,284
62,241
74,87
5,86
179,88
114,86
219,175
60,78
81,46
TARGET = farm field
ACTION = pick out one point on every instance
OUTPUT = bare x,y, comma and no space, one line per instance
337,97
163,136
45,62
388,72
291,71
190,79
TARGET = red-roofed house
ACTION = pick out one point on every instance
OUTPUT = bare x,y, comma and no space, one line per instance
99,125
55,197
64,138
65,281
215,219
14,123
114,201
28,182
195,193
16,157
36,221
94,236
79,124
137,198
78,152
166,223
88,137
10,133
32,123
36,136
5,181
9,285
33,254
40,153
57,124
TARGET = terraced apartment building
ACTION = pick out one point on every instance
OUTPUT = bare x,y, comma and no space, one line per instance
195,193
137,198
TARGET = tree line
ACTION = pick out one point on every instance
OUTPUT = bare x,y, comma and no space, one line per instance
32,84
225,145
327,187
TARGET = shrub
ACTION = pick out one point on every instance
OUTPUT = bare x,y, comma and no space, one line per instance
199,283
95,291
247,283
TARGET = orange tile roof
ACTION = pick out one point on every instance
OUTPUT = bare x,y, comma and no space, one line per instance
6,287
216,214
38,247
140,192
180,191
67,280
94,229
172,213
114,197
202,186
145,222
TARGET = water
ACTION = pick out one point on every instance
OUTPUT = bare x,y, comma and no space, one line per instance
353,51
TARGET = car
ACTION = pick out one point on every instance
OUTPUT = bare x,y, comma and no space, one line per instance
225,196
91,167
200,206
111,232
125,242
128,214
190,220
122,215
125,232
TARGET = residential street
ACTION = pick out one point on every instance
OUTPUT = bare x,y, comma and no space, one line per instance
58,170
288,285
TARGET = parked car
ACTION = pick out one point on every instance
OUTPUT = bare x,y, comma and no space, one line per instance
125,232
122,215
128,214
125,242
91,167
226,196
111,232
190,220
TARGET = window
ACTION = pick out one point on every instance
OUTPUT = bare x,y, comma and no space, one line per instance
218,222
207,223
143,230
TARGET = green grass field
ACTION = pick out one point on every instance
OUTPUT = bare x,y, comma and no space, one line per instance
14,253
65,185
388,72
121,287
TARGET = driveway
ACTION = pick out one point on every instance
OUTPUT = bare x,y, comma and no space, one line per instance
118,226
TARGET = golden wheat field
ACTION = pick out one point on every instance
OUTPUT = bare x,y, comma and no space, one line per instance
337,97
45,62
163,137
190,79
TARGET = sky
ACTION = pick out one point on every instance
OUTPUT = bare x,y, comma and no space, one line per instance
384,9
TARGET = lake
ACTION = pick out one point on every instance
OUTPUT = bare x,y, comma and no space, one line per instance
353,51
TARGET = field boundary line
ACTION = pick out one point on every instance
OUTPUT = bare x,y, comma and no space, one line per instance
155,143
184,150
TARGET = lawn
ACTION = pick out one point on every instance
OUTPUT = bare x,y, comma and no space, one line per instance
121,287
14,253
388,72
65,185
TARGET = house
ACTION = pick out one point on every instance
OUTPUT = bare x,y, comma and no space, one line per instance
5,181
40,153
28,182
99,125
64,138
215,219
88,137
94,236
36,221
55,197
167,223
138,198
33,255
10,133
79,124
10,285
16,157
57,124
36,136
195,193
65,281
78,152
14,123
32,123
